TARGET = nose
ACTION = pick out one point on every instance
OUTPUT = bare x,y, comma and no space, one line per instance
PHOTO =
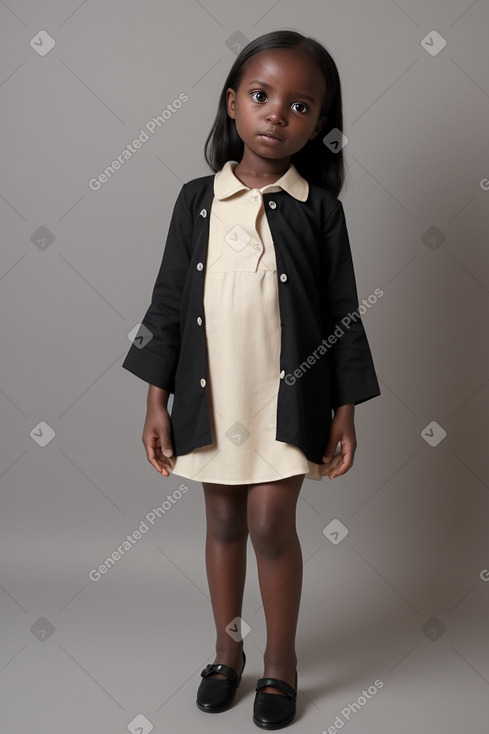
276,113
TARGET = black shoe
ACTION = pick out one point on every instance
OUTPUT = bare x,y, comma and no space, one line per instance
272,710
217,694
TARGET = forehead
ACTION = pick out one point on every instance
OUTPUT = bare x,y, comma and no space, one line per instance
285,68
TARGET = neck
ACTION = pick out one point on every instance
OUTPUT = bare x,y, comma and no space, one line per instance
262,168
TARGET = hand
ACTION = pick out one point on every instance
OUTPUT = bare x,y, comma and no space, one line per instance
342,431
157,438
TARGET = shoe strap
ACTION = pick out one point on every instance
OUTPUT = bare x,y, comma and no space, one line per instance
222,669
276,683
226,670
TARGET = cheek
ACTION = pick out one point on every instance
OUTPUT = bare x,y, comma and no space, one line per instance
245,111
306,128
244,117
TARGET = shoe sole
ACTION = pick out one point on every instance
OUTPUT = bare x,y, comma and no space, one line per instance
273,726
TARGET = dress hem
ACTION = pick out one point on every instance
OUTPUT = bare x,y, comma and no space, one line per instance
244,481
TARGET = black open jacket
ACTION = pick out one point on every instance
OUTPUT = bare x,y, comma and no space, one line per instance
317,296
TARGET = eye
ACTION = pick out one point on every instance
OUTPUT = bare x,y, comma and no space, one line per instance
301,104
258,92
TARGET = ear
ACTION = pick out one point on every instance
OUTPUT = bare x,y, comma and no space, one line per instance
231,102
320,124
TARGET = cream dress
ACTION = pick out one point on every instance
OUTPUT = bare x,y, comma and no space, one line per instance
242,322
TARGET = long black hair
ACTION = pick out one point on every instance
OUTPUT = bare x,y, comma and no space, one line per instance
315,161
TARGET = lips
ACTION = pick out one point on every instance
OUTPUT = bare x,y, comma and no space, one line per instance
271,135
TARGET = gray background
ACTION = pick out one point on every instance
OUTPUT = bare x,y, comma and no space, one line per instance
403,598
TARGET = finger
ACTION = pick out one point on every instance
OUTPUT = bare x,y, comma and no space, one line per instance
156,458
333,445
345,464
164,461
329,468
166,457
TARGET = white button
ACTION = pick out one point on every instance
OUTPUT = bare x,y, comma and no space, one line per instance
282,374
272,205
283,277
257,247
202,382
203,213
255,195
199,321
199,266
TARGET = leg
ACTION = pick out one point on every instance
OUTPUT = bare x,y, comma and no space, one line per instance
225,556
272,527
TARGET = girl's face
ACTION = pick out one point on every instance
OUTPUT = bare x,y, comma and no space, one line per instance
280,94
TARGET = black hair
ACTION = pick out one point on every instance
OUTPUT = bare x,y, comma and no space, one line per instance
315,161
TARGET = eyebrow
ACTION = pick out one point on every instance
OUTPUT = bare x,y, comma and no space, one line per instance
295,94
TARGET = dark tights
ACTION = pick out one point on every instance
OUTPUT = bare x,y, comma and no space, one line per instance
267,512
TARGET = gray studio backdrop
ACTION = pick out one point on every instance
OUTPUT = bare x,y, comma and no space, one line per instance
393,627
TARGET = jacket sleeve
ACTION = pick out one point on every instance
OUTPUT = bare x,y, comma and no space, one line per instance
353,377
154,353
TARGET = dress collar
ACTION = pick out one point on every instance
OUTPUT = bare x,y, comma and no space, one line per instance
226,183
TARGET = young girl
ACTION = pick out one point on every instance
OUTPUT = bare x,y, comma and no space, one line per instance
253,327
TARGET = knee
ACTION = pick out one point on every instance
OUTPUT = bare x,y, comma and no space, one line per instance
270,537
227,527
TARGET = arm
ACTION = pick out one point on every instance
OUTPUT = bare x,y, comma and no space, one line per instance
353,378
157,396
157,360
